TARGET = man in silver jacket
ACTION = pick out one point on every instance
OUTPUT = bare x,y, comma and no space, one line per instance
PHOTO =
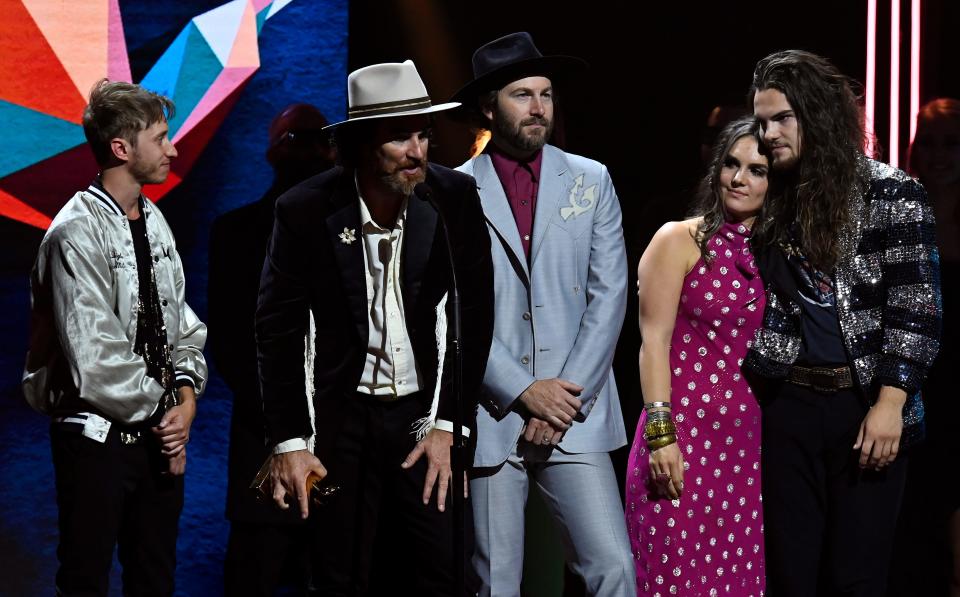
115,355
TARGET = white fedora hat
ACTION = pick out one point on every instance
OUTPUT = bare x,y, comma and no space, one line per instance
388,90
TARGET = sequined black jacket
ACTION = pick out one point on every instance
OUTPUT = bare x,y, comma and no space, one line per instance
887,283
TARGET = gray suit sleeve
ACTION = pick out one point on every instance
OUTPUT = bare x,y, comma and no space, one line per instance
505,378
589,362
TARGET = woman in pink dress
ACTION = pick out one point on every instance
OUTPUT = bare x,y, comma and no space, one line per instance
693,481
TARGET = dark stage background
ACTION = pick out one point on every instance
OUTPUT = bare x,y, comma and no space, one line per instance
656,71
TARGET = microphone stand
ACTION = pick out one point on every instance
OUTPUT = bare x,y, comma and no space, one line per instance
458,449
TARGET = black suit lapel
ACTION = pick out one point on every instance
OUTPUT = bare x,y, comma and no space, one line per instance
344,228
418,235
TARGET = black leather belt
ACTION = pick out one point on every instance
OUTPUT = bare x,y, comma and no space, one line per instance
823,379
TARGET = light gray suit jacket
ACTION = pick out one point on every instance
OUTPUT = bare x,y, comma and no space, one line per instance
561,315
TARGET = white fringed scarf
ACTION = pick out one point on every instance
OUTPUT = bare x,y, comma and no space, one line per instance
421,426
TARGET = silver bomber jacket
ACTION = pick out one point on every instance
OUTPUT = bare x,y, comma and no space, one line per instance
888,295
84,296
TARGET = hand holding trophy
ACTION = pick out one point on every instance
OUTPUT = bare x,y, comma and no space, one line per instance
319,492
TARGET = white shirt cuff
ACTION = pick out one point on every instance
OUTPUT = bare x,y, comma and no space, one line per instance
291,445
444,425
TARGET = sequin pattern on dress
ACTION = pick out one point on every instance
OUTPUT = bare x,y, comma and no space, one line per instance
710,541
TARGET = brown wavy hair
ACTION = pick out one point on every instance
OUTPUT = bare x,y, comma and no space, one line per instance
709,202
813,205
121,110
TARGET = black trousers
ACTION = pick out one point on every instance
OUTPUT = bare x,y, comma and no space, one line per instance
263,557
828,525
377,537
114,495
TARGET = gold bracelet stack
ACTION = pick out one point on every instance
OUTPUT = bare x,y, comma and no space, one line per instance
659,430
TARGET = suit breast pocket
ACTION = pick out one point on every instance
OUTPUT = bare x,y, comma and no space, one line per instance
581,257
569,258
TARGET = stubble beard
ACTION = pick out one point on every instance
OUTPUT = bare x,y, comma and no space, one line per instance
786,165
145,175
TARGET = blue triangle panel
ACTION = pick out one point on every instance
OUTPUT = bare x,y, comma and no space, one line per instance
162,77
31,137
262,17
200,69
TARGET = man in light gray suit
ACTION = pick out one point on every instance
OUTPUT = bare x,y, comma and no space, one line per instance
551,410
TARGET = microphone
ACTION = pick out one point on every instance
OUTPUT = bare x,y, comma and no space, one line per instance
423,191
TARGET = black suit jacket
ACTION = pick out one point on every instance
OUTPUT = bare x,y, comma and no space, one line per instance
308,266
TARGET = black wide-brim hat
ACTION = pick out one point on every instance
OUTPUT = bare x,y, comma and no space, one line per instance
508,59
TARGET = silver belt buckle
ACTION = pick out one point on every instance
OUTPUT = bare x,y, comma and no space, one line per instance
129,439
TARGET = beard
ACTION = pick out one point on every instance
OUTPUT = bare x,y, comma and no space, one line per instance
401,183
524,141
785,165
145,173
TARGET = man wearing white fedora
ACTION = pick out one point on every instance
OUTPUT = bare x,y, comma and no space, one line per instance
552,413
358,250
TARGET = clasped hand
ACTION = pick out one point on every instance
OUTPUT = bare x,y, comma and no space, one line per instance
552,404
173,431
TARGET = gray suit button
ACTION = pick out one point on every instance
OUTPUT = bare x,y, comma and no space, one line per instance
525,359
526,316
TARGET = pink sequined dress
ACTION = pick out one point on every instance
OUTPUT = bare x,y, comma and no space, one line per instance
710,541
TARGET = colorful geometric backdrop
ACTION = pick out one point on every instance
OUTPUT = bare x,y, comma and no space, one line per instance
52,53
230,68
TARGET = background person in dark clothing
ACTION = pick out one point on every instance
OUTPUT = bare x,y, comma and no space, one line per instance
268,547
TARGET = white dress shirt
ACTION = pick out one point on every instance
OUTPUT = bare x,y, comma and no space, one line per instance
391,368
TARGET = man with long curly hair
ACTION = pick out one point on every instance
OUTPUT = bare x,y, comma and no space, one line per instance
852,325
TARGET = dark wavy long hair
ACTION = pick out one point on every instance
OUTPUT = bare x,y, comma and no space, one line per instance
813,206
709,202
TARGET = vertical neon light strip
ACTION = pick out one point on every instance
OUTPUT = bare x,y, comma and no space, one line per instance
871,99
894,146
914,66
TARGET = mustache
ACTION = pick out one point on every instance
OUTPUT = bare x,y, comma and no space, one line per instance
414,163
535,120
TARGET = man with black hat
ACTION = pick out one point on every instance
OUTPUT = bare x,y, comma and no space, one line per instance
552,413
359,251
